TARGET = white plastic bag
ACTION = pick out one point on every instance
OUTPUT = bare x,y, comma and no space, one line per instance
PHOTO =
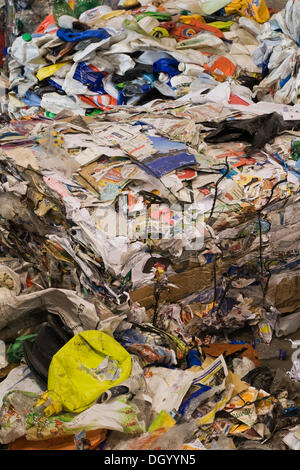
54,103
167,387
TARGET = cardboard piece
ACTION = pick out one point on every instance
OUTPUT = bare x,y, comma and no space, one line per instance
187,282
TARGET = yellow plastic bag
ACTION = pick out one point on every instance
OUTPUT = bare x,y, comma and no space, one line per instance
48,71
88,365
188,18
255,9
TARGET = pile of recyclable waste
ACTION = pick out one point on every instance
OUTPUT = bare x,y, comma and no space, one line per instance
149,194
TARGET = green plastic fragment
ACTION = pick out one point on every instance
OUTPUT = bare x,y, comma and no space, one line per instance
15,350
50,115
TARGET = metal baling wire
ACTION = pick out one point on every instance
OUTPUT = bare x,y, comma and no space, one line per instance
156,285
247,403
156,290
215,280
210,216
259,215
264,288
216,191
260,255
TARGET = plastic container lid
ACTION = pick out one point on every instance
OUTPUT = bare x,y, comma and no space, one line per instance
49,115
26,37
